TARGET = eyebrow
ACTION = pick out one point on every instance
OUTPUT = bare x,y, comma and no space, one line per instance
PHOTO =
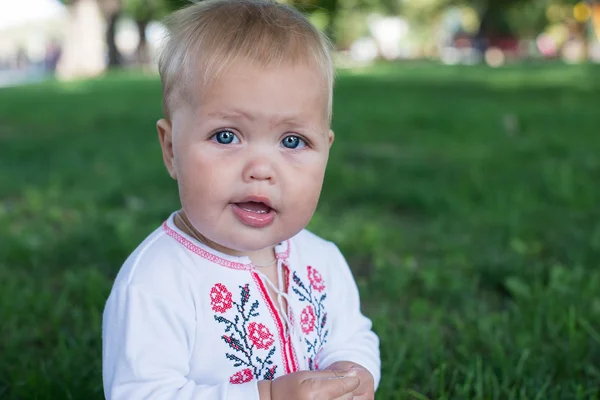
233,114
239,114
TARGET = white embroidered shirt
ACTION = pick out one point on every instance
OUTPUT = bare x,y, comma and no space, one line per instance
184,321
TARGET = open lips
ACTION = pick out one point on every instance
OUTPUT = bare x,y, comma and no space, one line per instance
255,212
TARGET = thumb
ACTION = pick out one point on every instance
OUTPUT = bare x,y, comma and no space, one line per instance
337,386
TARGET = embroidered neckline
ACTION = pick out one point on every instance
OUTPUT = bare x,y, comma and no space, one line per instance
282,251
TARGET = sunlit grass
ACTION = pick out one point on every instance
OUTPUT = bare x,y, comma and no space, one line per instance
464,198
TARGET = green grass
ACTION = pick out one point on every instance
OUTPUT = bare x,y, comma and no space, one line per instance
476,246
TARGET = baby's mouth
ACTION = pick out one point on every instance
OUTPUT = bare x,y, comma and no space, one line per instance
254,206
254,213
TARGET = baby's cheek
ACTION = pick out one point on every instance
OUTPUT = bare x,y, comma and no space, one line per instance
307,196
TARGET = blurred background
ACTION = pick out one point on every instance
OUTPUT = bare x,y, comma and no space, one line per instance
462,187
75,38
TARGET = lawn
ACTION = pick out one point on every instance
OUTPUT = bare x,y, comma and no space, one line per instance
465,199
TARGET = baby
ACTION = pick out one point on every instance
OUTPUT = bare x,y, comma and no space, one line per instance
231,298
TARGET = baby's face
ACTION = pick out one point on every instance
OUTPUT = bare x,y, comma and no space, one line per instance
250,156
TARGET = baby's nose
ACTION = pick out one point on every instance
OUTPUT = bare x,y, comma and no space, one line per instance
259,168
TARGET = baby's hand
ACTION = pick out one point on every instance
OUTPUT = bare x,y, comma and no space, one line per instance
366,388
311,385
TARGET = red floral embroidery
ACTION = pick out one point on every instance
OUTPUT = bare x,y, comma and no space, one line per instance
307,320
313,319
252,343
260,335
242,376
220,298
315,278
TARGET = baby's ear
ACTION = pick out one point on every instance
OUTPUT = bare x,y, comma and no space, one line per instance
165,136
331,137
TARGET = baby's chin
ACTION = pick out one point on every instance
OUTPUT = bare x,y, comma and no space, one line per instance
250,240
258,241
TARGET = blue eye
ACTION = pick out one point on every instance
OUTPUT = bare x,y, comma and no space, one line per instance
225,137
293,142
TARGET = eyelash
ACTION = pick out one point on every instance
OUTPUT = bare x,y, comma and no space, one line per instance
300,138
214,137
235,136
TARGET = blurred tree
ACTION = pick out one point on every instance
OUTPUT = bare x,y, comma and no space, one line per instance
82,53
537,9
329,7
493,15
176,4
344,19
144,12
528,19
512,17
111,10
581,23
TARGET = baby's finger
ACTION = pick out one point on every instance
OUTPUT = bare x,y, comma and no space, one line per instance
328,374
347,396
332,387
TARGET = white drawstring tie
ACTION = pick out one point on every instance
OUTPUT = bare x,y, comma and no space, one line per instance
279,291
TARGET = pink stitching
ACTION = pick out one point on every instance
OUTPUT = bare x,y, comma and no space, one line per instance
203,253
292,351
216,259
285,255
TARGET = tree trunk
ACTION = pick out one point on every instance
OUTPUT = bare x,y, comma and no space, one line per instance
493,25
114,56
143,52
82,52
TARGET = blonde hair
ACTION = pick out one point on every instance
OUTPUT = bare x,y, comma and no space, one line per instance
207,37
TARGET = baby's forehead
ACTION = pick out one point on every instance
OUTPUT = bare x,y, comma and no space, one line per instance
200,85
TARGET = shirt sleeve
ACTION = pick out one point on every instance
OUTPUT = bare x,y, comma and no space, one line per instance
146,346
351,337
